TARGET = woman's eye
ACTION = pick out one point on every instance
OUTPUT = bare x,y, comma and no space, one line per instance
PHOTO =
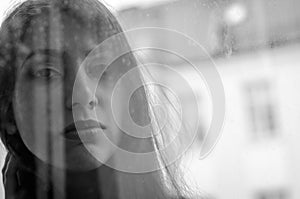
47,73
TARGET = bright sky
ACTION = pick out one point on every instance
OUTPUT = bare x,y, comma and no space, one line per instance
117,4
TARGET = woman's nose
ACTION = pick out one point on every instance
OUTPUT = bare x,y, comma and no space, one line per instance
84,93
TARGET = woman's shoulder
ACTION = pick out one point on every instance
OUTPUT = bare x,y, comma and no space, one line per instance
19,182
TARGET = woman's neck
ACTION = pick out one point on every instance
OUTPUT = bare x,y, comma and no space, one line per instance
100,183
83,185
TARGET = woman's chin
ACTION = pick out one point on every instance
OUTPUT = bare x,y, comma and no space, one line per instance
77,158
77,155
80,159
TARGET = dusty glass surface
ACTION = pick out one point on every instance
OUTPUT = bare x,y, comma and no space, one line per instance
150,99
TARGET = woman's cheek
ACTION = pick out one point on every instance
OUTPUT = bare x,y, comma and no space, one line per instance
33,110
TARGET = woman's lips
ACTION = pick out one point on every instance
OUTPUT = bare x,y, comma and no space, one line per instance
82,129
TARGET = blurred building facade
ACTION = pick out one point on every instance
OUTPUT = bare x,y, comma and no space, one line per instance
255,47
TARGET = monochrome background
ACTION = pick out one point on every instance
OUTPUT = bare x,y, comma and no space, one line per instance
255,45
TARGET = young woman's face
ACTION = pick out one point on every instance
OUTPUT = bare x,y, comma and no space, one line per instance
48,105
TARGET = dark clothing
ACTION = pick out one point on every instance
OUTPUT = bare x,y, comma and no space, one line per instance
21,182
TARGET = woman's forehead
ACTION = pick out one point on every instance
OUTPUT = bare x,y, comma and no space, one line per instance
64,33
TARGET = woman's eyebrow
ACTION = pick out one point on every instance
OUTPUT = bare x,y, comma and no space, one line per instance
51,52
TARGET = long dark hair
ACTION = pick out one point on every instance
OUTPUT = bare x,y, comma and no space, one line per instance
160,184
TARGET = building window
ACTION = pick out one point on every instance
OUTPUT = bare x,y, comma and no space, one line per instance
272,194
261,108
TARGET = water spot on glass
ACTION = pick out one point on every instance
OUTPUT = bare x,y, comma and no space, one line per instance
38,11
